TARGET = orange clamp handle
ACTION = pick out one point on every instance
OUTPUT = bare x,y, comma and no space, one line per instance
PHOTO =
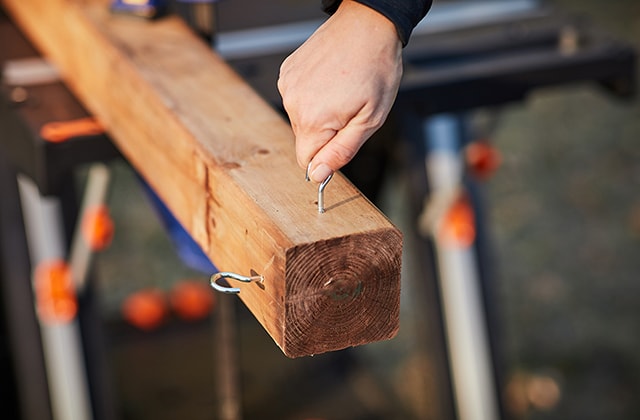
60,131
145,309
97,227
55,292
482,159
458,228
192,300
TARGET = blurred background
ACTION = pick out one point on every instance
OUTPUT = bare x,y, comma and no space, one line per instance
562,225
564,218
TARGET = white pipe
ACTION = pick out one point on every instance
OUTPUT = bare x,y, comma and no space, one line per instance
63,353
465,321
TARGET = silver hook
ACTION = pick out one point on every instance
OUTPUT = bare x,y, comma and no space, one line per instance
321,187
232,290
321,194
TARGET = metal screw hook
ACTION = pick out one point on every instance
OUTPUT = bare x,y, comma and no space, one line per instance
321,187
234,276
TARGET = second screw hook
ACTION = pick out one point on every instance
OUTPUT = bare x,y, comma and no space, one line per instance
228,275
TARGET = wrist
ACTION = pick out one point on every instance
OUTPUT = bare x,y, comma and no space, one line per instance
373,19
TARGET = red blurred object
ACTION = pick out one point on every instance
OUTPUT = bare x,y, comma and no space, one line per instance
482,159
145,309
192,300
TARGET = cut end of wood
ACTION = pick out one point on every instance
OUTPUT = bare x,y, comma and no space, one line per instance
347,294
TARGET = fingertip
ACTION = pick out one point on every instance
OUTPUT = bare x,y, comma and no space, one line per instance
337,153
320,172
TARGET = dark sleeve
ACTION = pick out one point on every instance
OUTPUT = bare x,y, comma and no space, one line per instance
405,14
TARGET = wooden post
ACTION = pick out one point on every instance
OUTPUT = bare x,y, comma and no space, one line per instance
223,161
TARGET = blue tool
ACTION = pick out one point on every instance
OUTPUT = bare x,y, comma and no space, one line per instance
147,9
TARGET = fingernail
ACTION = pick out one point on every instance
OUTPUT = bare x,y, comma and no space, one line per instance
321,173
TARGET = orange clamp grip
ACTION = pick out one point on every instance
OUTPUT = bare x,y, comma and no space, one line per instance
458,227
145,309
192,300
60,131
55,292
97,227
482,159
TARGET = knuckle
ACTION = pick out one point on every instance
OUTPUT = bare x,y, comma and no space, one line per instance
282,81
342,154
280,85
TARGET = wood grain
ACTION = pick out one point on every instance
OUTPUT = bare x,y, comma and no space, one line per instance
223,161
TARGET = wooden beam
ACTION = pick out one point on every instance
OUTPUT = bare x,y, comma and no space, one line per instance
223,161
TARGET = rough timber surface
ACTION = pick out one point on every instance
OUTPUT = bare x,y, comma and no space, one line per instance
222,160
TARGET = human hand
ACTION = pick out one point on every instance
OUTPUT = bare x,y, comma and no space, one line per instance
339,86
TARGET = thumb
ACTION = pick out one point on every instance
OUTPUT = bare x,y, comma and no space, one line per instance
337,152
